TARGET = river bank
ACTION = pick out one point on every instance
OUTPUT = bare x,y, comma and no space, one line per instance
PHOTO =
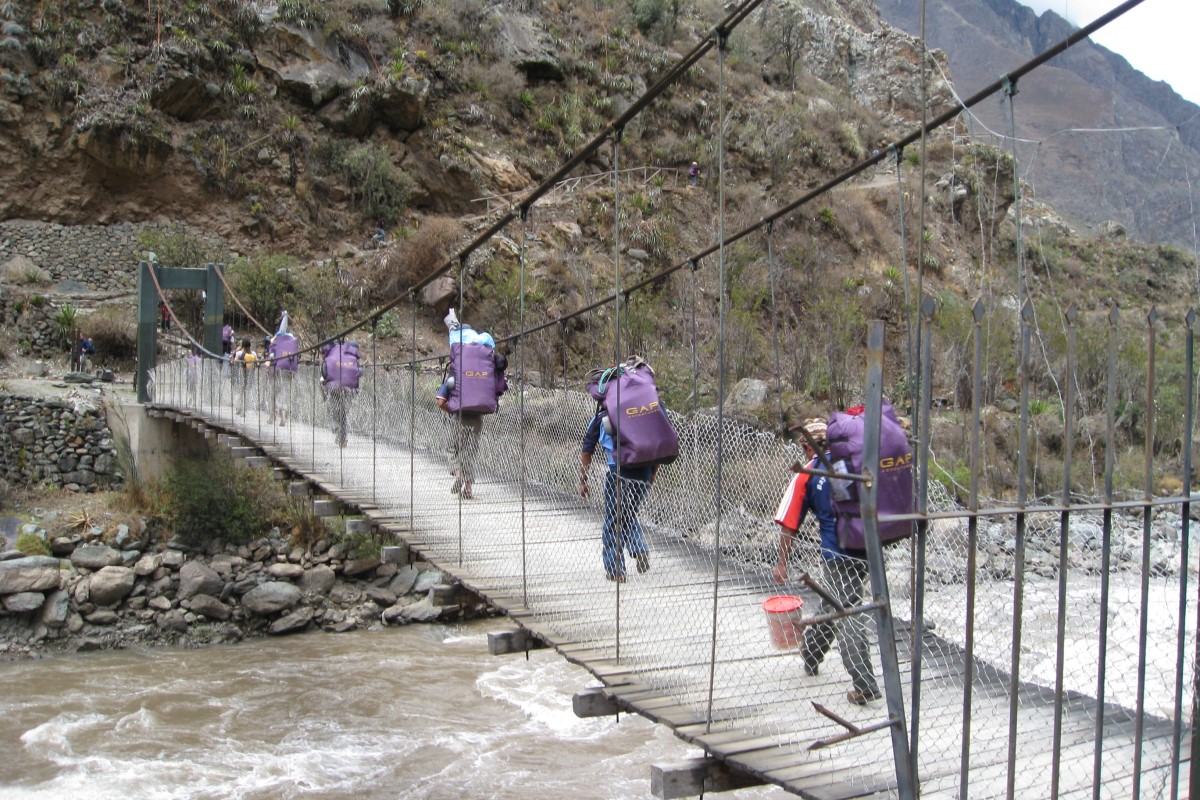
110,585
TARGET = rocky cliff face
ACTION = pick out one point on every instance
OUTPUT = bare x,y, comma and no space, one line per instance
1137,177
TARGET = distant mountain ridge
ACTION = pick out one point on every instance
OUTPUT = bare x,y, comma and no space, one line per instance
1139,178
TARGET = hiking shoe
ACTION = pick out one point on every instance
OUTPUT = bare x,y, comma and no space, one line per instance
643,562
456,486
617,578
466,492
860,698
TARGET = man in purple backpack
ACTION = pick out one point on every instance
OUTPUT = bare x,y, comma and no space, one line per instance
647,440
283,363
340,374
472,389
843,573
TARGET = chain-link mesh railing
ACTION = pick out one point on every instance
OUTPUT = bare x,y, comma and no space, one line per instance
527,539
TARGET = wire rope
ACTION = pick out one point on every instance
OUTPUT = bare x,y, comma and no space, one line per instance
521,418
617,484
238,302
721,312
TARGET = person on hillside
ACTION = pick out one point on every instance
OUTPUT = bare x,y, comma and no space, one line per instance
340,374
227,339
843,572
694,175
245,362
82,352
281,352
629,485
164,316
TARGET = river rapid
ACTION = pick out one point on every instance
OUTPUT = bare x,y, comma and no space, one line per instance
420,711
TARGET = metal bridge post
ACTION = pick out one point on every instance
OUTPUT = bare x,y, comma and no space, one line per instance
147,354
888,657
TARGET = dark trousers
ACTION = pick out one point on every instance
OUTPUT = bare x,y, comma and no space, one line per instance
630,489
844,578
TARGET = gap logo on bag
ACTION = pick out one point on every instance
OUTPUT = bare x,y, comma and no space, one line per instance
844,434
283,352
340,367
641,427
476,383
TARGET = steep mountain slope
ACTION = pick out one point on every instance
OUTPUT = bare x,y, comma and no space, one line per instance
1139,178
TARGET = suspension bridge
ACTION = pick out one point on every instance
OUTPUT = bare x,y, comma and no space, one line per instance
1027,648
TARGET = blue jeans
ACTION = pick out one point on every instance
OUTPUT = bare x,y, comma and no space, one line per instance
634,485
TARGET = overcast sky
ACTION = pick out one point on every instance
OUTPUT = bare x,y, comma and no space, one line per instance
1159,37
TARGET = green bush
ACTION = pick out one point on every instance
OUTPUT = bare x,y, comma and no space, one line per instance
213,499
32,545
263,283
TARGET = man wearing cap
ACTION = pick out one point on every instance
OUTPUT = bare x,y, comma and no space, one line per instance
843,572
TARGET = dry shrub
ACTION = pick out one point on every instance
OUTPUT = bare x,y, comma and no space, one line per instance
414,257
114,332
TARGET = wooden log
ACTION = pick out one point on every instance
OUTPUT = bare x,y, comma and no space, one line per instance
281,473
593,702
244,452
355,527
696,776
515,641
259,462
299,489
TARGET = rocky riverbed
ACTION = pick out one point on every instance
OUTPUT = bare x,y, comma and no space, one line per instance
104,589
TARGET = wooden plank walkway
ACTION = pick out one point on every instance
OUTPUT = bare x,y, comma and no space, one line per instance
535,554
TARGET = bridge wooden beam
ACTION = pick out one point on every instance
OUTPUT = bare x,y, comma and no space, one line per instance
329,507
299,489
515,641
594,702
696,776
395,554
445,594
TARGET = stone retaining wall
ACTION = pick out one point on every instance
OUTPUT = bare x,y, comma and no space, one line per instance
48,441
103,258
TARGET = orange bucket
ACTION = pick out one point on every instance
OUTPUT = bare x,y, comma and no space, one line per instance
783,619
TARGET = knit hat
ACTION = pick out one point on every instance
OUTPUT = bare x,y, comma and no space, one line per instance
815,428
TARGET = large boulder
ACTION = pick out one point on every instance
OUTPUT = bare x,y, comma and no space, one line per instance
196,577
55,609
210,607
96,556
285,571
32,574
110,585
307,65
401,106
318,580
297,620
528,47
23,602
271,598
